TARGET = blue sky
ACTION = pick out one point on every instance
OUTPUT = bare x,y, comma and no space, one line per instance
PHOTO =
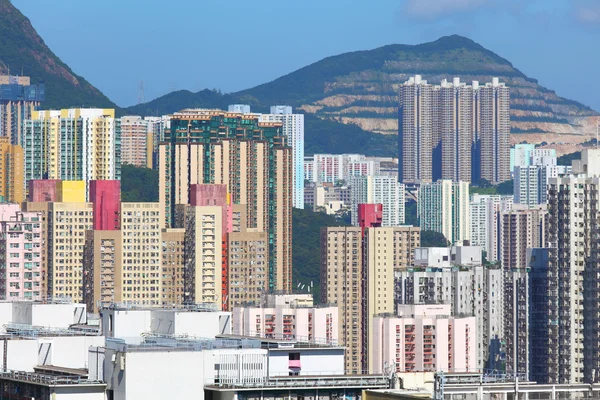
236,44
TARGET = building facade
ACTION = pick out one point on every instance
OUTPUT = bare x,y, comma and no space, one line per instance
453,131
333,168
11,172
443,207
313,324
136,142
357,274
72,144
250,157
483,215
18,100
378,189
20,254
293,129
425,338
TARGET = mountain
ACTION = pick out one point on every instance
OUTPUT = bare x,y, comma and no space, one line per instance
22,50
359,89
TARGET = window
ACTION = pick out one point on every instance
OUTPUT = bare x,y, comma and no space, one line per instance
294,356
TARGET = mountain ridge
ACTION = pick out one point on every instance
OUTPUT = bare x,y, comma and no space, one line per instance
22,49
360,87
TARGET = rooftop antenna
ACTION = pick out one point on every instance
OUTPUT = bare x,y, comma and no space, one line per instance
141,94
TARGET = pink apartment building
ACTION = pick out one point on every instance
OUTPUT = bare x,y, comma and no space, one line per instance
424,338
311,323
20,253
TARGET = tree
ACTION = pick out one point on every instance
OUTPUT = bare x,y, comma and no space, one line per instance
433,239
138,184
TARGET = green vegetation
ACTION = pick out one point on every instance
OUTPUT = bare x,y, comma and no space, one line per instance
485,187
433,239
411,216
566,159
138,184
306,245
22,50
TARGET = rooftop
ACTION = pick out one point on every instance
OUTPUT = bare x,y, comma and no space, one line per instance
308,382
45,379
157,342
293,341
32,331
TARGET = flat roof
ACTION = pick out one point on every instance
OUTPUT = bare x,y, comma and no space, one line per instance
48,380
56,370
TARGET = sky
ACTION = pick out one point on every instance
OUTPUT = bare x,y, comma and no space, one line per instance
237,44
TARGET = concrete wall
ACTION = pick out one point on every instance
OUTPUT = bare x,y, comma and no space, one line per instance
145,374
128,324
317,361
66,351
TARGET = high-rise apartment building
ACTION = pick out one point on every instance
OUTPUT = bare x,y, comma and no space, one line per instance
342,283
456,130
492,133
247,155
247,271
456,276
125,265
293,129
136,142
20,254
11,172
572,228
156,129
531,180
453,131
417,135
378,189
425,338
484,222
72,144
67,225
172,253
333,168
520,228
357,274
18,99
443,207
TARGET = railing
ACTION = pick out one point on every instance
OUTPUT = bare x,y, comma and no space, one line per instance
48,380
301,340
359,381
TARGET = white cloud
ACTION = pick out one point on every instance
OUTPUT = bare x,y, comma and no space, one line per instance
587,12
436,8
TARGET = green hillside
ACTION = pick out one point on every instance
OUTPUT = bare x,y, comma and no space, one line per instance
23,50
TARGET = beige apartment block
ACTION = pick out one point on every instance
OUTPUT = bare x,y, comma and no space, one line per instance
203,255
248,268
342,284
67,224
142,263
357,274
136,142
102,269
173,241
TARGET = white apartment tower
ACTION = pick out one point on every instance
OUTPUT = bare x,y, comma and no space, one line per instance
379,189
293,129
443,207
483,215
